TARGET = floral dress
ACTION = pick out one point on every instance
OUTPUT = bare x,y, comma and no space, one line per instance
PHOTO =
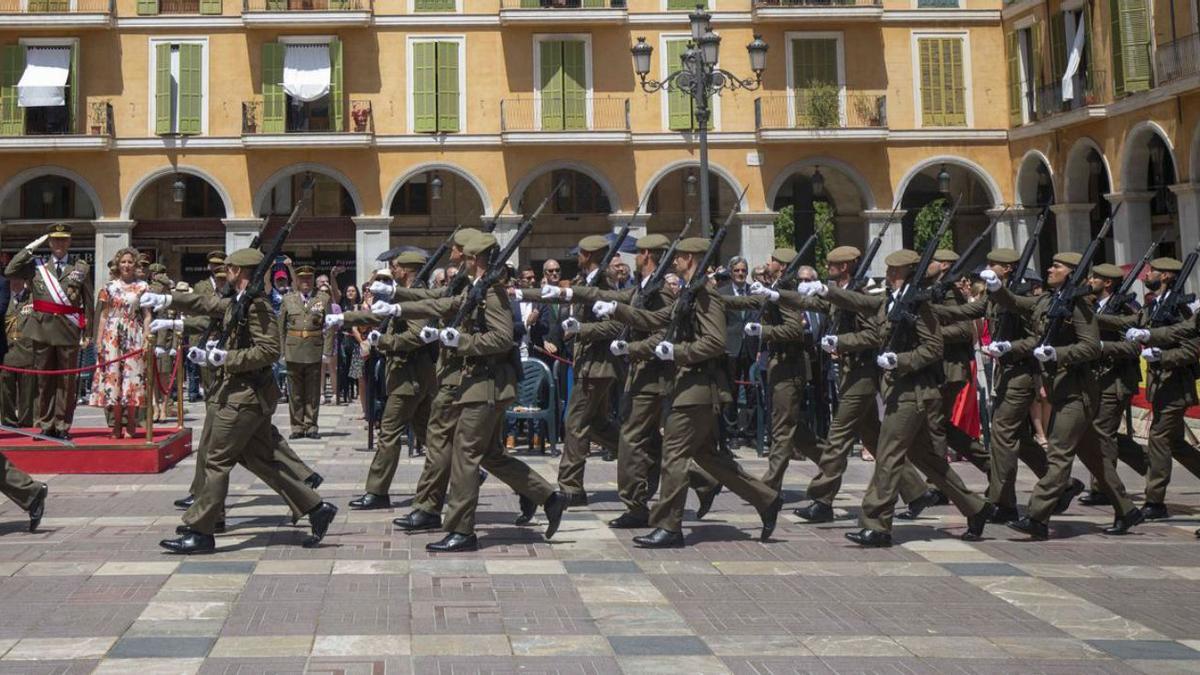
123,382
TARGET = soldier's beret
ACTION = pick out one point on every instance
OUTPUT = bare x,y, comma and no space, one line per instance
945,255
410,258
1166,265
654,242
843,254
1108,271
216,257
784,255
1069,258
143,259
901,258
220,273
246,257
693,245
56,230
479,243
593,243
156,268
1003,256
305,271
465,235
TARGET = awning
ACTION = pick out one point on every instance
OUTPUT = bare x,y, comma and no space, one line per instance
44,81
306,71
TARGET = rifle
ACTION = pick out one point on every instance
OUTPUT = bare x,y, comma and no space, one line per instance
614,248
426,271
789,274
859,279
1124,294
655,283
491,226
1168,309
460,280
904,309
1064,297
1016,280
939,289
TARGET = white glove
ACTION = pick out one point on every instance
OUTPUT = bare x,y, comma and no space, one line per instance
1152,354
373,337
592,276
382,289
665,351
160,351
550,292
603,308
571,326
334,320
1045,354
829,343
155,301
998,348
210,345
196,355
159,325
757,288
429,335
812,288
381,308
450,337
1137,335
618,347
991,279
36,242
753,329
217,356
887,360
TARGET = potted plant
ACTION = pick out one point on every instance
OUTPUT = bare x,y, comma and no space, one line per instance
822,105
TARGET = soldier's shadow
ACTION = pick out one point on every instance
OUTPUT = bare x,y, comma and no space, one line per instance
716,531
21,526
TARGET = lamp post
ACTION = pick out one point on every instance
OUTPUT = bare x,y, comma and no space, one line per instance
700,78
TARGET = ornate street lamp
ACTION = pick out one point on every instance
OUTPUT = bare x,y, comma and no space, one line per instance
818,184
943,180
178,189
435,187
691,184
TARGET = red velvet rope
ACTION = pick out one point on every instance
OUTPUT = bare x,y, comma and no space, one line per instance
174,373
73,371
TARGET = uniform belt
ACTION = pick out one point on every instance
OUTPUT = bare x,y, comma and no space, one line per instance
303,333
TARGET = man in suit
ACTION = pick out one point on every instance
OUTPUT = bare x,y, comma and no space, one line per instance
62,308
740,352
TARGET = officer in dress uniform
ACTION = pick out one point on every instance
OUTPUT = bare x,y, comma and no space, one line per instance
17,390
301,322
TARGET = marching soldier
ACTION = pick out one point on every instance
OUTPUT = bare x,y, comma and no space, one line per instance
62,307
301,321
243,402
214,284
25,492
16,406
698,391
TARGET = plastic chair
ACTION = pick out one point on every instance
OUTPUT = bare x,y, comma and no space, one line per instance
537,395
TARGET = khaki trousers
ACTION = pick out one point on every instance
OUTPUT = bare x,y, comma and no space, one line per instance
17,485
1167,440
398,411
587,420
57,394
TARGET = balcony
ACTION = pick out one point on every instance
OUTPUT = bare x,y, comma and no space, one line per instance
563,12
1177,59
48,129
1089,97
305,13
55,15
817,10
594,119
821,115
307,126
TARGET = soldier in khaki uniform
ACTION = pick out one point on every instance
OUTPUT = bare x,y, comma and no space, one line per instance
25,492
62,307
215,284
1066,368
301,321
244,400
699,388
16,390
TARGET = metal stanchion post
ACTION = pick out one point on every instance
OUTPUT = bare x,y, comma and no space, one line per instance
152,369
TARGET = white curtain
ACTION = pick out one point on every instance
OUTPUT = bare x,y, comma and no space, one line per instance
1073,60
306,71
44,81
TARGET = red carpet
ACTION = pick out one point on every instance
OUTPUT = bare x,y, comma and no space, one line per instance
97,451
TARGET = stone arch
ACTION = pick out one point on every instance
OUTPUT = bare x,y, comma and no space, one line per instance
610,190
713,167
425,167
292,169
1077,172
150,178
80,182
865,194
1135,155
1026,188
981,174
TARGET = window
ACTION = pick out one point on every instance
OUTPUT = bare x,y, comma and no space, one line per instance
937,4
329,198
942,81
179,85
681,109
1070,55
38,92
1024,73
435,6
413,197
686,4
581,194
1130,46
48,197
436,81
302,87
150,7
816,79
563,84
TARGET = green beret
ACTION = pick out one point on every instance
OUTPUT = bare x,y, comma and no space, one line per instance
465,235
246,257
902,257
843,254
945,255
217,257
305,271
156,268
56,230
593,243
1069,258
1166,265
784,255
1108,271
410,258
693,245
1004,256
479,243
654,242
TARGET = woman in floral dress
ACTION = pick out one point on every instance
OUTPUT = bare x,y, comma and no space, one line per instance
121,328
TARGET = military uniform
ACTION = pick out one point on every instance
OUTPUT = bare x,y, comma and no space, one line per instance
165,343
62,307
213,285
301,322
17,390
25,492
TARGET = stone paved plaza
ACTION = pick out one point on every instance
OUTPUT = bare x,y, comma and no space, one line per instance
93,593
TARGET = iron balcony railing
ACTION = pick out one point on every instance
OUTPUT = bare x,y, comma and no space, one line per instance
1088,91
562,4
588,113
56,6
825,109
305,5
788,4
358,120
1177,59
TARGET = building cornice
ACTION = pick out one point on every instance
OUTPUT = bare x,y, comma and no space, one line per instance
307,140
442,21
822,13
43,21
688,138
681,18
957,16
801,135
185,22
558,137
930,135
306,19
179,142
52,143
561,16
434,140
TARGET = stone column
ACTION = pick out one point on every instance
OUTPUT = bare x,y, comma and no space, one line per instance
758,236
893,240
1131,225
1187,196
240,232
506,228
372,236
1007,233
111,236
1073,226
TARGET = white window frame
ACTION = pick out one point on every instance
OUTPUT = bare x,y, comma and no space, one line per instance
968,85
153,69
410,101
1025,25
664,70
789,53
411,7
538,39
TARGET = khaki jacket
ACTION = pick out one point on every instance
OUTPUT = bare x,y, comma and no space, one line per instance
647,374
1070,375
784,336
1173,377
76,280
302,325
593,360
246,378
410,368
20,346
857,373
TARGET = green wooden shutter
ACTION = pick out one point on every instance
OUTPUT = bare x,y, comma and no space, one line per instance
530,4
447,87
337,89
274,113
12,66
814,64
1115,44
210,6
551,54
339,4
954,82
943,100
679,104
162,88
594,4
73,86
1058,46
146,7
685,4
433,6
191,88
1039,58
574,83
424,69
1135,45
1014,78
1086,17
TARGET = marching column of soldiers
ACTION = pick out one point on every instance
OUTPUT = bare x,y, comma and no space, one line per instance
451,372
